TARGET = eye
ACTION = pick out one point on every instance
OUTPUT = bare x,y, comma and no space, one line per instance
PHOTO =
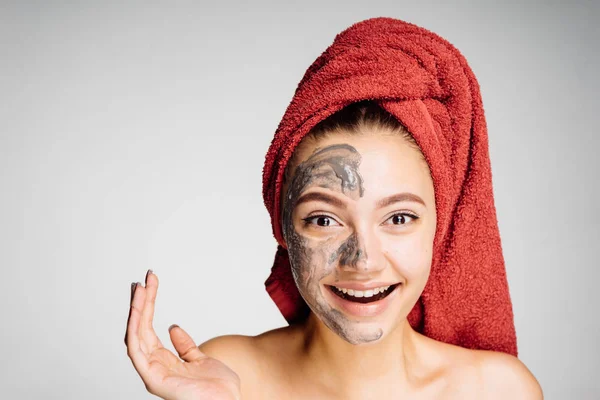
401,218
320,220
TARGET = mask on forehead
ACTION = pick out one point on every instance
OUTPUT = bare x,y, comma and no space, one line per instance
334,167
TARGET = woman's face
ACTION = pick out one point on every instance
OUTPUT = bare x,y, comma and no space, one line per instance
359,221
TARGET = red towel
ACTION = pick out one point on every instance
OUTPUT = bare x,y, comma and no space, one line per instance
425,82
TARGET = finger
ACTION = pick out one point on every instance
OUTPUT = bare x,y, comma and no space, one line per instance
147,330
184,344
134,347
151,291
133,285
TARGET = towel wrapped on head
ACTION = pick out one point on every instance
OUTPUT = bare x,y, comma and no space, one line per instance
427,85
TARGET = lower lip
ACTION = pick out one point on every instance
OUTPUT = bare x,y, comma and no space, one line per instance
363,309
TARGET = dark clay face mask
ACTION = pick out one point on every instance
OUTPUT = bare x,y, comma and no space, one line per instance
336,168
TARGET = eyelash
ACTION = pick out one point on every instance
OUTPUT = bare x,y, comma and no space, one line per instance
406,214
308,219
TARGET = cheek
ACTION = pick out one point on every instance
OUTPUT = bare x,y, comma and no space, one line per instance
309,262
411,256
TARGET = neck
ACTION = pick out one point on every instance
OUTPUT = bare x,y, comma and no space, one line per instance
393,357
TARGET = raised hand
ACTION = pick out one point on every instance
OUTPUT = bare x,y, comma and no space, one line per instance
191,376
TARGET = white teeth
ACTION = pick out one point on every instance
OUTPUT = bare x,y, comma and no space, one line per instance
363,293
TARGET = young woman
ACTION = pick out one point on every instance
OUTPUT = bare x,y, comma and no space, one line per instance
389,268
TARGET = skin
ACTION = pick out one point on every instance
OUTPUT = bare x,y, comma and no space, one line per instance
332,355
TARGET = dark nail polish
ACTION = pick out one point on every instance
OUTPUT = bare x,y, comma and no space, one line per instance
173,326
133,286
148,274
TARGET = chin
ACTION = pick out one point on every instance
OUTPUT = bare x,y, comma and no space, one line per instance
355,333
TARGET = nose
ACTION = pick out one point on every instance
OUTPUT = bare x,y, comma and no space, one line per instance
361,252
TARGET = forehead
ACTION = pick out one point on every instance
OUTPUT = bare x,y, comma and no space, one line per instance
388,163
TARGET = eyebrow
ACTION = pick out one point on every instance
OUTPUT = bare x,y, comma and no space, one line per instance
318,196
397,198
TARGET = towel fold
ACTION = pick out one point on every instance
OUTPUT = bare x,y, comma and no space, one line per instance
423,81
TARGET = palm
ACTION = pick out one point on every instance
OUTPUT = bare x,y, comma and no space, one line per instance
201,379
192,375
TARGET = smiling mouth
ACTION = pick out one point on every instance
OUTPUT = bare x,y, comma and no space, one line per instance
362,296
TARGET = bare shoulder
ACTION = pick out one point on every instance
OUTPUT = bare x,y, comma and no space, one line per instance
241,348
255,359
505,376
236,351
483,374
226,345
240,355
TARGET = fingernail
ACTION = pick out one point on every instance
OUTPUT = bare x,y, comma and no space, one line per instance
148,273
173,326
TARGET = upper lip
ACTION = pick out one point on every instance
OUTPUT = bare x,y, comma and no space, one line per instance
362,286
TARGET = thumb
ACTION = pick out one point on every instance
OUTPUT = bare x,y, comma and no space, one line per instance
184,344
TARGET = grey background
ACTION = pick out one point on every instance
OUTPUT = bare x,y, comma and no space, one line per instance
132,136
